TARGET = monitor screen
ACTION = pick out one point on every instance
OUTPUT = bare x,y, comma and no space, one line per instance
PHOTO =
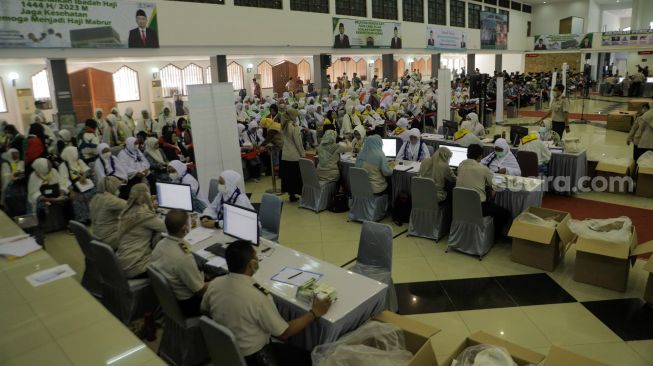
390,147
649,80
241,223
621,79
458,155
174,196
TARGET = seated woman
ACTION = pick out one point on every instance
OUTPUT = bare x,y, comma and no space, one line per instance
14,184
134,163
139,228
360,133
158,162
533,143
169,143
413,149
178,173
372,159
89,141
329,155
472,124
105,210
185,137
107,165
466,138
502,160
437,168
75,177
44,188
228,192
250,158
401,130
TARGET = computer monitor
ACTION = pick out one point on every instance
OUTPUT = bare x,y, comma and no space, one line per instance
621,79
390,148
174,196
458,155
241,223
449,127
516,134
649,80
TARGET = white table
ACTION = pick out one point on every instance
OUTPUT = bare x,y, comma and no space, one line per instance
359,298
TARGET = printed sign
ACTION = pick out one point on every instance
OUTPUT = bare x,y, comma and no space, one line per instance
454,39
494,31
363,33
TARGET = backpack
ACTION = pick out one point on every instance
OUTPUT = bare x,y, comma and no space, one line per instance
401,208
340,203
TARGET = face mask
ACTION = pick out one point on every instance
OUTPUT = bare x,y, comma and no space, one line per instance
222,188
116,193
542,129
500,154
106,155
174,176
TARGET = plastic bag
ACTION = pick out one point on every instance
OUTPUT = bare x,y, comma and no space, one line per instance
530,218
374,343
617,230
484,355
571,143
646,160
617,161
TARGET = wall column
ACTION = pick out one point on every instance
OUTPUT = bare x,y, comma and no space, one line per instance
219,69
389,71
471,62
498,62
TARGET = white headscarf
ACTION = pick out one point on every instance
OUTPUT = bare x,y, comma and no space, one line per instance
152,149
100,148
131,149
42,167
65,135
232,182
179,167
71,156
129,112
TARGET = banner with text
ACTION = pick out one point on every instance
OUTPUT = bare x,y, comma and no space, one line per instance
78,24
451,39
360,33
643,37
494,31
562,41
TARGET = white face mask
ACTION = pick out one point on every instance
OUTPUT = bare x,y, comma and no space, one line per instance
222,188
106,155
174,176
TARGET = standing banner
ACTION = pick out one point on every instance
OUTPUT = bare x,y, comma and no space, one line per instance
643,37
78,24
494,31
361,33
451,39
562,41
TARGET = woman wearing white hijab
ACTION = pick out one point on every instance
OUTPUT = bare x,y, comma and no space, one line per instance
99,118
110,131
157,160
134,163
329,152
229,191
349,121
65,139
13,183
502,160
359,138
472,124
401,130
241,115
44,187
414,149
126,126
178,173
74,173
108,165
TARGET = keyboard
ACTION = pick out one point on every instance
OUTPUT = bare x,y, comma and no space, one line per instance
217,249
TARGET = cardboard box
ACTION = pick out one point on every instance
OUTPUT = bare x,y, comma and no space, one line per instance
540,246
648,292
520,355
637,104
561,357
608,170
621,120
603,263
644,182
418,337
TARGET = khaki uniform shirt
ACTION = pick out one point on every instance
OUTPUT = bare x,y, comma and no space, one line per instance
173,258
237,302
559,106
473,175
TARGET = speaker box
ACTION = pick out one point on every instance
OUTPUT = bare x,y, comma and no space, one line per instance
325,60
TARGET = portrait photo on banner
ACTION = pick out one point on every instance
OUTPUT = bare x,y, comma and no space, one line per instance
361,33
452,39
494,31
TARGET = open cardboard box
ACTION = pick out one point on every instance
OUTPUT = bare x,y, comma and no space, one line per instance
418,337
646,248
621,120
561,357
608,170
644,182
540,246
636,104
520,355
606,264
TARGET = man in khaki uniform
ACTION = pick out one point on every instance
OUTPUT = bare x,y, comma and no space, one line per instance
173,259
559,111
247,309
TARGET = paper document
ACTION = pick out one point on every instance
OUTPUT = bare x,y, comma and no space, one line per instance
85,187
49,275
205,254
13,238
294,276
407,167
19,247
198,234
217,262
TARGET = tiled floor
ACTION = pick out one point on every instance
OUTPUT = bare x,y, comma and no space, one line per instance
460,294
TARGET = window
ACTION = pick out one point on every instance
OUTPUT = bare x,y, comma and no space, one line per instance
507,14
3,101
270,4
515,5
315,6
361,69
221,2
413,11
526,8
41,85
401,67
235,75
265,70
208,77
171,80
490,9
125,85
437,12
504,4
384,9
304,71
491,2
356,8
474,20
191,75
457,13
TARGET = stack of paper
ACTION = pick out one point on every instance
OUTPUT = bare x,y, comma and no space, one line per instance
198,234
295,277
18,246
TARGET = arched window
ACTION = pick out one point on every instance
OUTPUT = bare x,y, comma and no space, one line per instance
191,75
378,68
336,70
361,69
3,101
171,80
304,70
265,70
125,85
401,67
208,75
235,75
41,85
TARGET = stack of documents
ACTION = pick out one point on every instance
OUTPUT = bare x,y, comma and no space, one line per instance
18,246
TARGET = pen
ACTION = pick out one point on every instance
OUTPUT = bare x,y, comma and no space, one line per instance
409,169
295,275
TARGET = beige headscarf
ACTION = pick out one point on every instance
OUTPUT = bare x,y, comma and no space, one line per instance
152,149
441,157
139,209
109,184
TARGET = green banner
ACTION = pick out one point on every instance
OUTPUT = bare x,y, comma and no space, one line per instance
362,33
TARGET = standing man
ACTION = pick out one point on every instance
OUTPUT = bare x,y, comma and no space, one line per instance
290,85
396,41
142,37
356,81
237,302
559,111
256,89
341,40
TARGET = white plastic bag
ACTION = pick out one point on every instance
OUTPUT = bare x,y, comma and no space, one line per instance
617,161
374,343
617,230
646,160
571,143
484,355
530,218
